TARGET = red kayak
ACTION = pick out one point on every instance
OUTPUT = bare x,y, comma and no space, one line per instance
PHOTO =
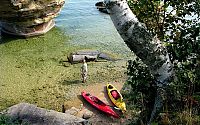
97,103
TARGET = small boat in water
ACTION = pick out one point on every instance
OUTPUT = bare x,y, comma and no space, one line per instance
100,105
116,97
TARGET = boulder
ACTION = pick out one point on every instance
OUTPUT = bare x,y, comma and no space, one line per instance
72,111
28,17
31,114
84,113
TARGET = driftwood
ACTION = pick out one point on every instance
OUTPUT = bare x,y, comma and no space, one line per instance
88,55
88,52
79,58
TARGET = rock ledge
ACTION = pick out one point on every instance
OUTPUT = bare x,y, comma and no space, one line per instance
31,114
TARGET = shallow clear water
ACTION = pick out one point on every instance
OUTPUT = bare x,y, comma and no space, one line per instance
87,28
35,70
90,28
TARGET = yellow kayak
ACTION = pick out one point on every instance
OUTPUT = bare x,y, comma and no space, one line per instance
116,97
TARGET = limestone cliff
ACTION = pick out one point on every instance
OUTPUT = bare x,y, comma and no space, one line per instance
28,17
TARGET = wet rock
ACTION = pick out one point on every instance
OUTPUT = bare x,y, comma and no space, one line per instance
31,114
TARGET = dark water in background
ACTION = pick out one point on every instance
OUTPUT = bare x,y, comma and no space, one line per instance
88,27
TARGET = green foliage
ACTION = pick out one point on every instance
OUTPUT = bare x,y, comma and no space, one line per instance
176,23
149,13
6,120
140,78
143,87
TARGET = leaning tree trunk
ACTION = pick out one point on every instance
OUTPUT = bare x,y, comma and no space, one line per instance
146,46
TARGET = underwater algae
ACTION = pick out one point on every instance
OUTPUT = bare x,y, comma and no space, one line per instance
35,70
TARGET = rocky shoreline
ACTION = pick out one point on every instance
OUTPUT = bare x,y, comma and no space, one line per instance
31,114
26,113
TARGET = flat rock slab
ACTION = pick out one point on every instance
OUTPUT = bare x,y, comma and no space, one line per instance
31,114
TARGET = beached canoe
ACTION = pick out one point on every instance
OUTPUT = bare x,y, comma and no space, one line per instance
100,105
116,97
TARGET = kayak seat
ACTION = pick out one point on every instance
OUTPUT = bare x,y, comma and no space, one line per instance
97,101
115,94
110,87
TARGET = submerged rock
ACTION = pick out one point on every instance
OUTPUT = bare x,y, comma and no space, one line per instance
28,17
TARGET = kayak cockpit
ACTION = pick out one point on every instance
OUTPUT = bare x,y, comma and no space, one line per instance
110,87
97,101
115,94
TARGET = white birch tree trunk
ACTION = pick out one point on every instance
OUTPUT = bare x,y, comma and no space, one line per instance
147,47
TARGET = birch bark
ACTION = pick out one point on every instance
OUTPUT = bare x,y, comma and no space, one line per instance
146,46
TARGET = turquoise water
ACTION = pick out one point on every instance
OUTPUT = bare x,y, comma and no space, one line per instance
86,27
90,28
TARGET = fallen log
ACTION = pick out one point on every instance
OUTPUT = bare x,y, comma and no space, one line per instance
88,55
74,58
88,52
